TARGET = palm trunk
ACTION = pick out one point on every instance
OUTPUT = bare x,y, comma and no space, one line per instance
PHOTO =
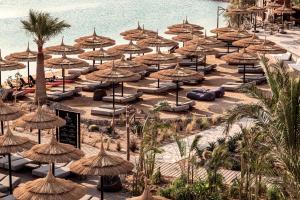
40,92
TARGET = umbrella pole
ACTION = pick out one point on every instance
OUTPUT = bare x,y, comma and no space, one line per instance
255,31
244,78
196,63
158,68
238,20
101,186
282,21
39,136
63,75
28,72
0,79
10,174
177,90
53,169
122,89
130,56
113,86
2,127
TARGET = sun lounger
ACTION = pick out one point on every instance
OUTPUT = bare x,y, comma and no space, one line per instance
82,71
283,57
69,77
91,86
153,68
4,159
19,94
201,95
4,183
108,111
183,106
6,93
126,98
56,95
258,79
18,164
61,170
163,88
189,61
294,65
8,197
87,197
251,70
236,86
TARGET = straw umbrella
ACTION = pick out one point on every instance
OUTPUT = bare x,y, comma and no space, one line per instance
266,48
63,49
157,42
10,143
177,74
130,49
251,41
241,58
137,30
185,37
101,165
186,24
65,63
139,35
234,36
53,152
25,56
183,30
255,10
49,188
101,54
94,41
113,75
123,64
8,113
41,119
206,41
147,196
157,59
6,65
237,11
223,30
284,10
196,50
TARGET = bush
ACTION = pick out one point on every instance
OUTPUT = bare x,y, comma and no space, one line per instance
273,193
93,128
137,128
156,178
133,145
232,144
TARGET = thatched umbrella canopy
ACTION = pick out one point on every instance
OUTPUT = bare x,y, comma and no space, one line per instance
182,30
101,54
237,11
177,74
255,10
94,41
8,113
184,37
251,41
234,36
186,24
26,57
49,188
137,30
10,143
139,35
157,42
102,164
273,5
196,50
223,30
266,48
130,49
157,59
124,64
147,196
63,49
206,41
284,10
241,58
7,65
40,119
65,63
114,75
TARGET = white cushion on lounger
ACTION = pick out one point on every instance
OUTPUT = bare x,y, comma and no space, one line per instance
107,111
4,183
283,57
18,164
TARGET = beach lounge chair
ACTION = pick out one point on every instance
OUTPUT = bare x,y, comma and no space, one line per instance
82,71
190,61
56,95
183,106
4,182
236,86
61,170
201,95
108,111
91,86
283,57
6,93
153,68
163,88
68,78
251,69
295,65
4,159
8,197
126,98
257,78
18,164
86,197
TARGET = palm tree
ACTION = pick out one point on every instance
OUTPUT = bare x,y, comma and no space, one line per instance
277,114
42,26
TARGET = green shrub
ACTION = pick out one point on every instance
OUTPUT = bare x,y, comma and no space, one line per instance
156,178
273,193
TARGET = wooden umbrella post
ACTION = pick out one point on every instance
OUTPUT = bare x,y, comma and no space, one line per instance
10,174
128,135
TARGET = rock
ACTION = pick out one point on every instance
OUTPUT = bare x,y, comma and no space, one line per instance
93,128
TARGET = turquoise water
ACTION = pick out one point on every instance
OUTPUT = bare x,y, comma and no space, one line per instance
109,17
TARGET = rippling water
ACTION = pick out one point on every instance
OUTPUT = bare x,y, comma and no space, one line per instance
109,17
